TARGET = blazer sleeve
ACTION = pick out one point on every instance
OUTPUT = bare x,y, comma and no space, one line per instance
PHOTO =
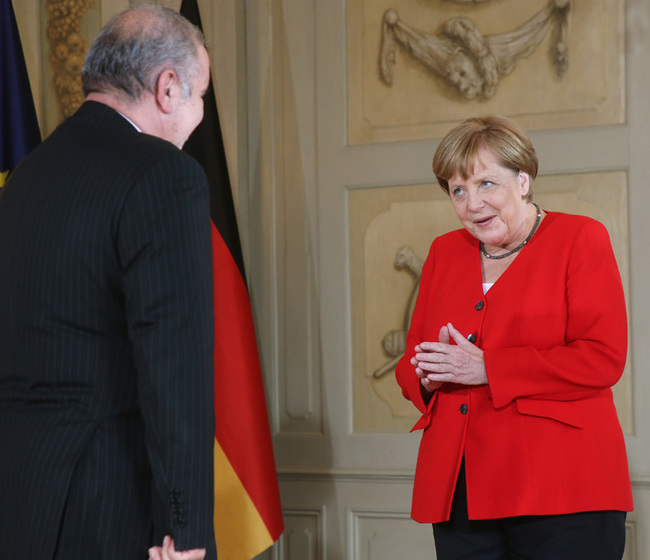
164,247
408,381
592,357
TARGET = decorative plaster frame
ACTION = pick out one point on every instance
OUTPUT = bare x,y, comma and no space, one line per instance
384,220
467,59
421,105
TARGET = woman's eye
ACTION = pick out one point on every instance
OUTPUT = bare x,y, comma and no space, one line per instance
457,192
486,184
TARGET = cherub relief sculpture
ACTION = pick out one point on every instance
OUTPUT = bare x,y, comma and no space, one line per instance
467,59
394,342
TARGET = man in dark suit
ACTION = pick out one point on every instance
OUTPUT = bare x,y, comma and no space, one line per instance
106,313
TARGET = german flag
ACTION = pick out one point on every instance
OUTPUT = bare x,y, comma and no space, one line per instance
248,514
19,132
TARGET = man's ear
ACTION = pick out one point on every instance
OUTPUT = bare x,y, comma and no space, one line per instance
166,90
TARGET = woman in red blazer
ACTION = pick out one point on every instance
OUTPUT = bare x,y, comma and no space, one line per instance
518,334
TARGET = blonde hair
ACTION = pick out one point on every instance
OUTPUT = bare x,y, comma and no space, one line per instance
459,150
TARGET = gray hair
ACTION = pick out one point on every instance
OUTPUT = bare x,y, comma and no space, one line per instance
133,49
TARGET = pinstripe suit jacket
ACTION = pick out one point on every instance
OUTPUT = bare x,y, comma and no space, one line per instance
106,341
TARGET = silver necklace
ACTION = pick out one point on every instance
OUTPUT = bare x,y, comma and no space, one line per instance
519,247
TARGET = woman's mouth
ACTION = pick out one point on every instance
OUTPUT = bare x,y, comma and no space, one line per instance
484,221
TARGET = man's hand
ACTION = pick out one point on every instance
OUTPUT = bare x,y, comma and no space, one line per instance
168,552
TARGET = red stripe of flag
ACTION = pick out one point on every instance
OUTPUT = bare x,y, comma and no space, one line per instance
243,431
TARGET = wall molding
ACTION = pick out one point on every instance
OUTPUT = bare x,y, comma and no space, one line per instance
315,474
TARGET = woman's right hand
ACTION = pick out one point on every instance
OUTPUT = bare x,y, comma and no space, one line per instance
430,385
462,363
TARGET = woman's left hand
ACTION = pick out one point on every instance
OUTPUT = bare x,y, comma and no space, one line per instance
461,363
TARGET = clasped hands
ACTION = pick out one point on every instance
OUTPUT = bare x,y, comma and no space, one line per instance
442,362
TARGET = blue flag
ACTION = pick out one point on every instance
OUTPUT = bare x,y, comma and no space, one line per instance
19,132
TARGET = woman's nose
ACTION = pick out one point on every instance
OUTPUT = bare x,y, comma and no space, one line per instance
474,201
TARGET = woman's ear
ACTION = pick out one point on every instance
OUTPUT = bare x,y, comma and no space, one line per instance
524,183
165,91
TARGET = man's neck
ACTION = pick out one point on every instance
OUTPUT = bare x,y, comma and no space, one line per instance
141,113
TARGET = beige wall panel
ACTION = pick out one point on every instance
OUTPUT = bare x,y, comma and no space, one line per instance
383,221
296,253
380,535
303,535
282,201
420,104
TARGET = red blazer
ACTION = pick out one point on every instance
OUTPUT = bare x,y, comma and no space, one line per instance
543,436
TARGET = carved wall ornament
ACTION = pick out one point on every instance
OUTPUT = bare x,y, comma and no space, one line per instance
67,51
468,60
394,342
